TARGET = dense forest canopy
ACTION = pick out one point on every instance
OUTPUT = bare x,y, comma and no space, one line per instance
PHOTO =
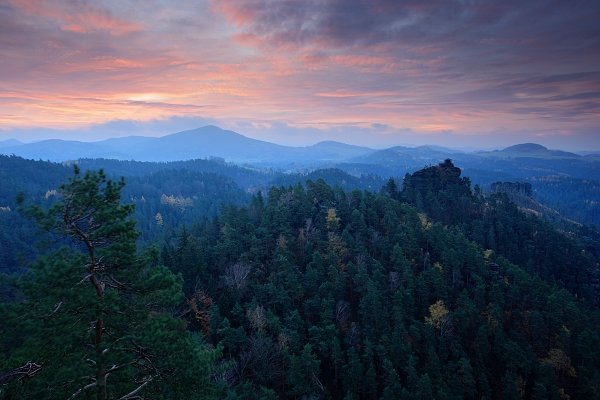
424,288
95,319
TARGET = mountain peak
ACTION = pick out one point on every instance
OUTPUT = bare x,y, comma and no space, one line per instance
329,143
526,148
204,130
10,142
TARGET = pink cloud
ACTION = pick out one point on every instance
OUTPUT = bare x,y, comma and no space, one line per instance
348,94
240,14
72,63
80,17
247,39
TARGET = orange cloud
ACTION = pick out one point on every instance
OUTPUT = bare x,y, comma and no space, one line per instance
75,63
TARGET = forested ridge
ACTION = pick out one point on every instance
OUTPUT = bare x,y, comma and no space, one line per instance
310,291
166,195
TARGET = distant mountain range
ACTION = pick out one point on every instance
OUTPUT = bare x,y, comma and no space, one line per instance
531,150
212,141
209,141
566,181
522,161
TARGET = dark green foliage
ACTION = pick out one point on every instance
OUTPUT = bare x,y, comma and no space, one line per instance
166,196
430,292
357,295
441,192
36,178
497,224
98,317
333,177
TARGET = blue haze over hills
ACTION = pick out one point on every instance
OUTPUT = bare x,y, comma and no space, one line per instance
211,141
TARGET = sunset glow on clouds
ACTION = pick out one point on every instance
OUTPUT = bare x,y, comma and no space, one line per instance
377,72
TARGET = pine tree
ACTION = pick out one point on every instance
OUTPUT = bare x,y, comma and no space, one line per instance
97,315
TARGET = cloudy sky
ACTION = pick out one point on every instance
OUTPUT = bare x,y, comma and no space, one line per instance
372,72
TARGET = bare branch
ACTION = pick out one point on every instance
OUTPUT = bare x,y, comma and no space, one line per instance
114,283
236,276
85,278
82,389
317,382
342,313
55,310
135,391
25,372
121,366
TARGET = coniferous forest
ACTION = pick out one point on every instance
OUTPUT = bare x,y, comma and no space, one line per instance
423,288
299,200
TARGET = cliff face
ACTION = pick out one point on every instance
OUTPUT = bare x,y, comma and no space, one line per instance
438,177
442,193
445,196
521,194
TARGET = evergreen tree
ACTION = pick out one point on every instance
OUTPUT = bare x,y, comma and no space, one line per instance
97,316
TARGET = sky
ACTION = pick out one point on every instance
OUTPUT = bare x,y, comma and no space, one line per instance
371,72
